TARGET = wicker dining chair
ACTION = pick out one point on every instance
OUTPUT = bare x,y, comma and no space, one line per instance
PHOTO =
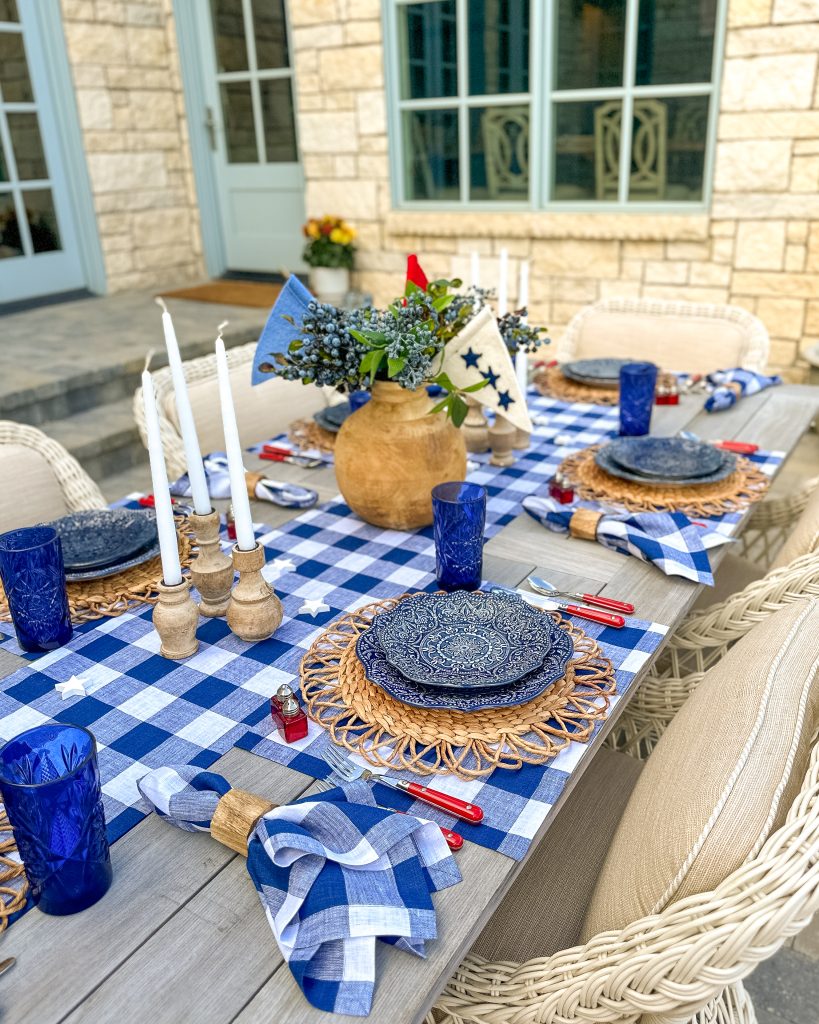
682,962
697,337
261,412
40,480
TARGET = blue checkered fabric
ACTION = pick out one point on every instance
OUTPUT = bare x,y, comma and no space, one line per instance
750,383
334,873
668,540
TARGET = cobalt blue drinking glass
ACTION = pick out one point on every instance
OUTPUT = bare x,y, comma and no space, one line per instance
638,382
459,517
33,574
50,784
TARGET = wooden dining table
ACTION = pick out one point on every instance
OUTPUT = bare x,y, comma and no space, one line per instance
181,935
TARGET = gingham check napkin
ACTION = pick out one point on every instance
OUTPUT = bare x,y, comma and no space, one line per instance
730,385
668,540
218,478
334,872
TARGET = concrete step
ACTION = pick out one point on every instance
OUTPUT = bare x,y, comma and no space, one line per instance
104,440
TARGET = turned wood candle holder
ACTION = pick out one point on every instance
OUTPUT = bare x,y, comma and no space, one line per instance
523,440
176,617
211,570
475,428
502,439
254,612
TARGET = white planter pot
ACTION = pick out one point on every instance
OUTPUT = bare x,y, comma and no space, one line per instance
330,284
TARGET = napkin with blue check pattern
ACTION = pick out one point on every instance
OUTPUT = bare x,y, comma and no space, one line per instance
731,385
668,540
334,873
218,479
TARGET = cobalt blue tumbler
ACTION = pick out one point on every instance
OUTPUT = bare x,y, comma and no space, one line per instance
33,574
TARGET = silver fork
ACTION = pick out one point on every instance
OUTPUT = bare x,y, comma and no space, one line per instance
348,770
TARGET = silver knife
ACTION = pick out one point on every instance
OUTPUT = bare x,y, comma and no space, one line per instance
5,964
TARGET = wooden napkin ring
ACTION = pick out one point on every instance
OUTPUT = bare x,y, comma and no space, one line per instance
583,523
252,480
236,816
734,386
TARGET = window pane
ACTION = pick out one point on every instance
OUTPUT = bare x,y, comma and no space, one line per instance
8,10
279,124
498,46
270,30
587,150
229,35
10,244
499,153
675,41
42,220
668,149
14,81
431,154
590,44
427,47
27,146
240,132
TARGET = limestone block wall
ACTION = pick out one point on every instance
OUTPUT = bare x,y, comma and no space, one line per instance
758,247
125,65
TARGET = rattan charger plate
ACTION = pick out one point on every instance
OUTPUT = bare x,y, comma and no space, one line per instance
362,718
13,882
308,434
736,492
550,382
122,592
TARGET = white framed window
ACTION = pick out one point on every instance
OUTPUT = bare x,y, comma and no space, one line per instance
553,104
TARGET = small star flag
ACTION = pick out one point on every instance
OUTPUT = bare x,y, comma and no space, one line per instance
480,353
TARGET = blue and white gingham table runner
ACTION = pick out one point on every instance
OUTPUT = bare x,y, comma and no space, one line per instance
334,873
147,711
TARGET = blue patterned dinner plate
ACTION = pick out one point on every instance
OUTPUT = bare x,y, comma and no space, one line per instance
380,672
606,462
597,373
333,416
465,639
671,458
99,538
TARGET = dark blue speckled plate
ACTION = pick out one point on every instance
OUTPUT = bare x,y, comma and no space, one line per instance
379,671
465,639
597,373
333,416
605,461
670,458
105,537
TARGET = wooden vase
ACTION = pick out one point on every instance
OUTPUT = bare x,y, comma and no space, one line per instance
175,618
254,612
391,453
211,570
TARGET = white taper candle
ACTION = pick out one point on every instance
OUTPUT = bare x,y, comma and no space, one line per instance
245,537
475,269
521,359
165,527
523,286
503,283
187,426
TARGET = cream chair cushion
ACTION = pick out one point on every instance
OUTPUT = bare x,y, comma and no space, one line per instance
677,336
261,412
734,574
543,911
30,492
805,536
722,777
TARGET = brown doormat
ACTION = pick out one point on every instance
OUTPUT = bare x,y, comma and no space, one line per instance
260,294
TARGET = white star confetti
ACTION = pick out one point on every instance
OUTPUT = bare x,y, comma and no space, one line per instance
313,606
75,687
282,565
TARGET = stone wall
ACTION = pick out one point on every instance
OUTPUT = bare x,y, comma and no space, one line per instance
759,248
125,65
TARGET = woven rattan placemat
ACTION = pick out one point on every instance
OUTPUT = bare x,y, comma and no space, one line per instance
737,491
551,382
364,719
114,595
308,434
13,882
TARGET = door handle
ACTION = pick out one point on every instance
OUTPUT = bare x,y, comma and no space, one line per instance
210,126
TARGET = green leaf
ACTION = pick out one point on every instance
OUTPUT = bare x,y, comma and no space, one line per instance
395,366
457,409
475,387
377,359
410,287
442,302
440,406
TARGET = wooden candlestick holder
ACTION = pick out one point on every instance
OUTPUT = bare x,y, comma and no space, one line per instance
475,428
211,570
254,612
502,439
523,440
176,617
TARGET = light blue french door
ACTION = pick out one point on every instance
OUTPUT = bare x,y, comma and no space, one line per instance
39,246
